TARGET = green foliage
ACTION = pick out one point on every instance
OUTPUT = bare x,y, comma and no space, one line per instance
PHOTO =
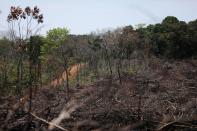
53,45
170,20
46,46
34,49
172,38
5,46
57,35
7,65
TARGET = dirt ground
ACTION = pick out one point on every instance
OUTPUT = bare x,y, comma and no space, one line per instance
73,70
162,97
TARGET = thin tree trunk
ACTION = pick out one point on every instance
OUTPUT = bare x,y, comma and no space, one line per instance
30,90
119,74
109,62
139,106
77,77
119,66
66,69
67,82
19,75
40,74
5,81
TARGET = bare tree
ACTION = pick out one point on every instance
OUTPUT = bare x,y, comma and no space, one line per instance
24,23
110,39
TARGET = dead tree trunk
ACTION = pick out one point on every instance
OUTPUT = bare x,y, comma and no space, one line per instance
67,80
30,89
119,71
108,60
65,65
19,74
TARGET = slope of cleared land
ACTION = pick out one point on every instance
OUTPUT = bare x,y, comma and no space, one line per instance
163,97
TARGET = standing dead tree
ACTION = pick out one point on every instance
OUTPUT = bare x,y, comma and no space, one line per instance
21,23
110,39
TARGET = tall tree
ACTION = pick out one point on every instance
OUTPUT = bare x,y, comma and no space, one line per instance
58,36
23,23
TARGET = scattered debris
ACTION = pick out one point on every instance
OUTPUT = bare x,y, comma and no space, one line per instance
162,98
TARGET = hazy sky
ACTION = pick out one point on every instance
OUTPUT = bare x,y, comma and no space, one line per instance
84,16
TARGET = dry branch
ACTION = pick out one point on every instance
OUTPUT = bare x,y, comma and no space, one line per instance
50,123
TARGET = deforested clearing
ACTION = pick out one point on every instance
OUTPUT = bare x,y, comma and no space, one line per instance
57,73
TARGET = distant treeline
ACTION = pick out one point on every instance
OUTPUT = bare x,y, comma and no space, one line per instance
106,53
172,38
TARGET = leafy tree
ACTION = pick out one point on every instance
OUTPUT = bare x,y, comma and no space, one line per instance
170,20
192,34
172,38
57,37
